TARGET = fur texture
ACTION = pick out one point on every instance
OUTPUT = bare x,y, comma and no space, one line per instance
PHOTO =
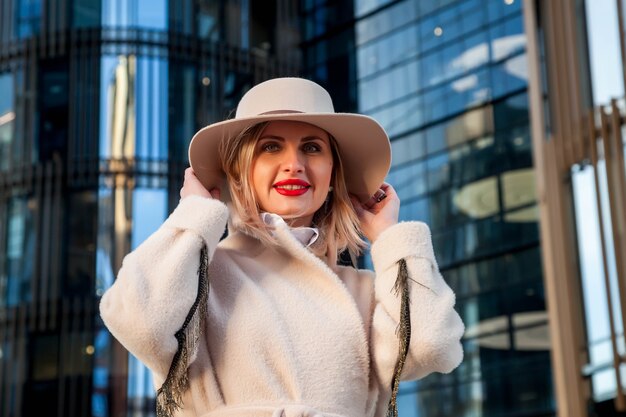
285,333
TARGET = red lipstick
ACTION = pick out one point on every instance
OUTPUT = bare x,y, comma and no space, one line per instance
292,187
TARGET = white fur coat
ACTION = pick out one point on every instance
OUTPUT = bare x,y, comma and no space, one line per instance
286,335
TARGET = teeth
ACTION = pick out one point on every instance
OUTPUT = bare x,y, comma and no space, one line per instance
292,187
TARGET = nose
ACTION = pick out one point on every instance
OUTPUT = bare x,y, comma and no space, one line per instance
292,161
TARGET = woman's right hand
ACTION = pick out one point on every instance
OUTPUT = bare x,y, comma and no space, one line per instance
192,186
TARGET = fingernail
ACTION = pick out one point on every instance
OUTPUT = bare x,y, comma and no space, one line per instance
380,196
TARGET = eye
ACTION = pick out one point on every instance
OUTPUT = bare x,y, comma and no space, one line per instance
311,147
270,147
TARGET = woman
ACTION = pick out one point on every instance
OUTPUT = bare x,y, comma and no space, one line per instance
264,322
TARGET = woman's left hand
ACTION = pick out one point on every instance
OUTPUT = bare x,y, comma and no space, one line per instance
376,216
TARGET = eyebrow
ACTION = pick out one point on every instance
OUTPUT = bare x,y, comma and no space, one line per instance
306,138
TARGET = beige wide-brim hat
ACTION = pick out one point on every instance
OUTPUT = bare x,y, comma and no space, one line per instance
363,144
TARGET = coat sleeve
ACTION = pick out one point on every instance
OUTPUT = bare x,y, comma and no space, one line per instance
436,328
158,282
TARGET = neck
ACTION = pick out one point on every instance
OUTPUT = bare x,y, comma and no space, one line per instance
299,221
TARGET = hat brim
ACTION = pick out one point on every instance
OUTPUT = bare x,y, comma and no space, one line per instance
363,147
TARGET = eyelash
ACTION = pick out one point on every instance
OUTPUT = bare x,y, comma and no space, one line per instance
265,147
307,147
316,147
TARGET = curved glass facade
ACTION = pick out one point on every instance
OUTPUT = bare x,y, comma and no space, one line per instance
100,99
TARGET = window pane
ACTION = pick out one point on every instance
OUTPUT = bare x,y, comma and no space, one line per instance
27,18
20,250
145,14
7,118
408,148
82,231
518,188
86,13
408,180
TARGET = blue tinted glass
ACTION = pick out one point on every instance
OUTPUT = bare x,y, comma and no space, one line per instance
479,91
105,253
484,160
509,76
114,75
435,104
449,246
415,210
432,69
409,181
426,27
7,118
86,13
100,381
400,117
476,52
387,51
428,6
53,88
507,38
140,386
20,251
207,19
511,112
384,21
149,212
449,22
146,14
363,6
407,148
152,101
407,400
184,85
27,18
436,138
452,60
473,19
134,98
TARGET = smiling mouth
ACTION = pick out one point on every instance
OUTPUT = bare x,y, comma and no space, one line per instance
292,187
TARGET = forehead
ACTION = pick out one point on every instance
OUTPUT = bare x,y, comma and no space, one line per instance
287,129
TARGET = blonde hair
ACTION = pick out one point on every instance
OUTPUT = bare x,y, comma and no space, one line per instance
336,220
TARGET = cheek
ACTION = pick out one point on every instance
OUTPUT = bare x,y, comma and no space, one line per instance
260,174
322,176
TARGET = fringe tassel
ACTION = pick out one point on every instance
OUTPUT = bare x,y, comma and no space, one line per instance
170,395
401,288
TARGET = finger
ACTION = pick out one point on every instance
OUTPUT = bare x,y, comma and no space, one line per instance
388,189
378,196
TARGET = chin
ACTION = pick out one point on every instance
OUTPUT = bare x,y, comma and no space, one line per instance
291,214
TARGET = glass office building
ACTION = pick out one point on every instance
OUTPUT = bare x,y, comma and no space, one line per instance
448,81
98,102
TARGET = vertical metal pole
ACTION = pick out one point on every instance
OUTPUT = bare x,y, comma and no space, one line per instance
554,200
616,210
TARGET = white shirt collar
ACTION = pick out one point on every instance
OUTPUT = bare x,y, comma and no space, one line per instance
305,235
